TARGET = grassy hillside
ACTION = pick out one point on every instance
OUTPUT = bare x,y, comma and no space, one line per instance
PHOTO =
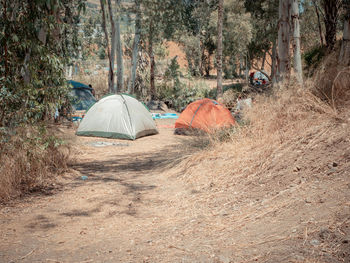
282,181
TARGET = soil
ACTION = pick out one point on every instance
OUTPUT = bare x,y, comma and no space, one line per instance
127,202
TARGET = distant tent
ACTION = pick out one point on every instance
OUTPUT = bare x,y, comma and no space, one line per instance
118,116
82,95
205,114
79,85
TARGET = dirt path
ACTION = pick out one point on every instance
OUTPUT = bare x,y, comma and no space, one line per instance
117,214
134,207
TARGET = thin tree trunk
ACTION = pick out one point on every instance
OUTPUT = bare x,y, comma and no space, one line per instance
273,61
246,71
135,49
119,47
240,66
296,41
151,56
113,42
203,60
111,65
319,23
283,40
263,61
208,65
344,57
219,50
331,12
5,41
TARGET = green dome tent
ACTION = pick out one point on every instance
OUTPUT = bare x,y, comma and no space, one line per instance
118,116
82,96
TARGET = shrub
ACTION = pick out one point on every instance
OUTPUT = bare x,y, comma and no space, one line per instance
313,58
28,158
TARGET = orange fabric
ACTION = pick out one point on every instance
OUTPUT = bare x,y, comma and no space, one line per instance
205,114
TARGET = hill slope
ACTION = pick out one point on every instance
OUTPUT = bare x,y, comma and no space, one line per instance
280,190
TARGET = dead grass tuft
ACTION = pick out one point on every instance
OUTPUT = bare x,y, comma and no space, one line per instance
332,82
28,161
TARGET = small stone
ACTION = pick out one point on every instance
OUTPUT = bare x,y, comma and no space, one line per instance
296,169
315,242
334,164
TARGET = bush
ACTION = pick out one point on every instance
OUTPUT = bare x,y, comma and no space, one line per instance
28,158
313,58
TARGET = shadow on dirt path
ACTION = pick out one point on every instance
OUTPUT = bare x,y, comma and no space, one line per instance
117,197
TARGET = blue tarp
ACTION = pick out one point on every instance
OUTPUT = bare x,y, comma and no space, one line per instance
77,85
164,116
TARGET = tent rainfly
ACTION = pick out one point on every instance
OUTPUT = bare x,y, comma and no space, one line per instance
206,115
118,116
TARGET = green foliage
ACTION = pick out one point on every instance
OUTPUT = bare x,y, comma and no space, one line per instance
175,92
313,57
102,53
230,69
36,42
264,18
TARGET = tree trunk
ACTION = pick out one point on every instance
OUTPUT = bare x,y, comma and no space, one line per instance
208,64
135,49
240,66
5,41
203,60
319,23
113,43
331,13
344,58
151,56
111,65
119,47
296,41
219,50
263,61
283,40
273,62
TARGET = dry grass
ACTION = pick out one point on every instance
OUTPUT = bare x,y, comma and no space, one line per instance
99,82
266,174
27,162
332,82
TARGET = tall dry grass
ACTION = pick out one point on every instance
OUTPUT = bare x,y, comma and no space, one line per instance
28,161
277,123
332,82
98,82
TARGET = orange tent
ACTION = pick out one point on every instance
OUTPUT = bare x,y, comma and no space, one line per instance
205,114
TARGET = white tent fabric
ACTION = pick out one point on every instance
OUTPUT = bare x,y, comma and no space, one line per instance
118,116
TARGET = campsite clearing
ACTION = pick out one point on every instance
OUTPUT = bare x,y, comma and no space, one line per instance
126,201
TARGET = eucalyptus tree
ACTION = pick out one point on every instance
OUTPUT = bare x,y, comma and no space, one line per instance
159,22
237,35
119,48
331,14
344,57
110,47
284,40
264,21
37,40
296,41
219,49
199,34
135,49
